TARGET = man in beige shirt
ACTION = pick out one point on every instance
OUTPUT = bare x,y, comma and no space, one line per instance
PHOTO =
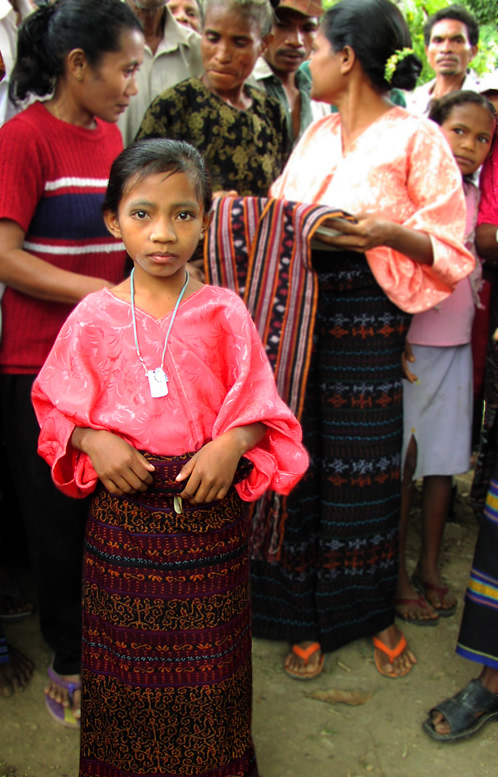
12,13
172,54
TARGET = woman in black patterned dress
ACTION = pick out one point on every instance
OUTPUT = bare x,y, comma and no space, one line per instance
238,129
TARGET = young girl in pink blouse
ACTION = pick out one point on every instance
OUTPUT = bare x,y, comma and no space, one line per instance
158,397
437,406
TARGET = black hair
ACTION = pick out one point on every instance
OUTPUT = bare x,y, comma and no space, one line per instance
459,14
259,11
376,31
150,157
51,32
441,108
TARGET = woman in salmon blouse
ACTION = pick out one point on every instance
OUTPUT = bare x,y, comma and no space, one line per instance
335,577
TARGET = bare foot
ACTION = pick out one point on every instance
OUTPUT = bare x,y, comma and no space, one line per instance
60,694
394,666
13,603
435,590
440,724
489,679
16,673
410,605
307,665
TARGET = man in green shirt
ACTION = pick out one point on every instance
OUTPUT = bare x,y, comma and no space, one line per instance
278,71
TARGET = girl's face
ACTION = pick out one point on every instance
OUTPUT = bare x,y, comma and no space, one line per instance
230,45
469,130
159,220
105,91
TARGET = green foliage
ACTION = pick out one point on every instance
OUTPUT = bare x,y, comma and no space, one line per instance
486,11
418,11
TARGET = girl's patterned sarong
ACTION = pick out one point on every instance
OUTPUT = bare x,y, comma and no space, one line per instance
166,666
478,640
336,576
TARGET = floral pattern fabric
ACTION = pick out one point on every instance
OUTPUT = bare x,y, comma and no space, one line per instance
243,150
401,168
219,378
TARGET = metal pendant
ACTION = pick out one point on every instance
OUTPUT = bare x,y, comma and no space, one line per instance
158,382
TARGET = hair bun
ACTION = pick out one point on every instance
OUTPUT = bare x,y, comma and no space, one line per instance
407,72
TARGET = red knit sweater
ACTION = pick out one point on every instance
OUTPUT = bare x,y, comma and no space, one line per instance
53,177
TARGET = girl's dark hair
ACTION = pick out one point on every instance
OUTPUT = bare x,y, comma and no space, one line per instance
150,157
51,32
376,30
259,11
441,108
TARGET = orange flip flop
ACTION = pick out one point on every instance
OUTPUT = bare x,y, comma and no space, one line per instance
391,654
305,654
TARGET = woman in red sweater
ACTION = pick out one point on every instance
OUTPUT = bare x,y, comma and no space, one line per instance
55,158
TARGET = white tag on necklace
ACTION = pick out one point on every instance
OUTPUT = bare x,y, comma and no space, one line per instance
158,382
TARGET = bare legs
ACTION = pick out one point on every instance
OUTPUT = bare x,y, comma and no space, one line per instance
436,500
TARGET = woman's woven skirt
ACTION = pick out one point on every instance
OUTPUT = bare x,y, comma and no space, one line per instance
336,575
166,668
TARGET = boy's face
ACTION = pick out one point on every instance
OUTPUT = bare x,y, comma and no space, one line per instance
294,34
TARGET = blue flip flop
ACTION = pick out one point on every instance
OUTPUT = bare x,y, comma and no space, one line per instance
63,715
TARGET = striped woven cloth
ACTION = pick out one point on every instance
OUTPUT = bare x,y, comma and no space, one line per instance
478,639
261,249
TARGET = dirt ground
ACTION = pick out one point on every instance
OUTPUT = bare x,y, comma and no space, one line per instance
296,735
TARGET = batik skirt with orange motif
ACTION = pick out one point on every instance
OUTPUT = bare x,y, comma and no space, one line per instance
166,667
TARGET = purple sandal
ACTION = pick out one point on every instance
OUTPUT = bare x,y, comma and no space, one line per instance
63,715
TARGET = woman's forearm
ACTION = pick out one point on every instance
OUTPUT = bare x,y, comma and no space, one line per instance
415,245
37,278
487,242
372,232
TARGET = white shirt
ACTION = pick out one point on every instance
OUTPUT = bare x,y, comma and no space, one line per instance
178,57
418,100
8,48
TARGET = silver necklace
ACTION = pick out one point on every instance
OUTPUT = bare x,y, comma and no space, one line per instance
158,380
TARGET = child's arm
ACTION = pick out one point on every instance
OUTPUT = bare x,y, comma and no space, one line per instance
120,467
407,358
211,470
